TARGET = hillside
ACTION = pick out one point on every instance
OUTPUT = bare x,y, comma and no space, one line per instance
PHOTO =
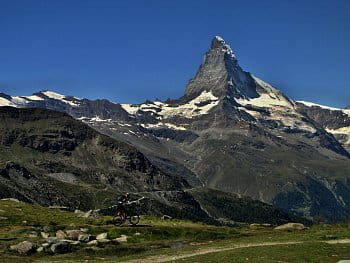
49,158
52,235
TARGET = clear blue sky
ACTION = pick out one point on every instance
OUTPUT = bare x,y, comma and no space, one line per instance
129,51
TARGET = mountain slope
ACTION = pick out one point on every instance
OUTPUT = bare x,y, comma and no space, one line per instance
47,157
336,121
230,131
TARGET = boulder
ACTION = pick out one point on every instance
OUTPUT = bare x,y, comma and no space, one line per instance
89,214
73,234
24,247
92,243
61,234
44,245
84,229
52,240
60,247
291,226
44,234
121,239
101,236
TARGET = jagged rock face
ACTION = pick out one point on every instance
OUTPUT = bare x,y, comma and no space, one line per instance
53,143
221,74
333,120
230,131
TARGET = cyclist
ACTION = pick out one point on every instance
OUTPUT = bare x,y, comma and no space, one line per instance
122,201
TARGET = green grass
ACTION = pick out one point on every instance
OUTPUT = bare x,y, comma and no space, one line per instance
160,238
307,252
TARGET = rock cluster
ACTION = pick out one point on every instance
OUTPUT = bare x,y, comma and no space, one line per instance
66,241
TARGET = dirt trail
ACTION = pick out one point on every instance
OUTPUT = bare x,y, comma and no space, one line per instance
168,258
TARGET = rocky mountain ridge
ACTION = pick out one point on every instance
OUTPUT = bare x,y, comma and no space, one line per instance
231,131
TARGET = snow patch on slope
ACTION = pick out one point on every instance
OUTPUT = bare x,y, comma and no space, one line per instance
311,104
272,97
57,96
163,125
6,102
188,110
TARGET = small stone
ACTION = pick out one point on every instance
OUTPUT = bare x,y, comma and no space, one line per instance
85,230
137,234
3,218
52,240
40,249
2,211
45,245
24,222
61,234
121,239
73,234
101,236
289,226
24,247
92,243
44,235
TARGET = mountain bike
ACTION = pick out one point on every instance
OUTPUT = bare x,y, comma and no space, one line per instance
124,213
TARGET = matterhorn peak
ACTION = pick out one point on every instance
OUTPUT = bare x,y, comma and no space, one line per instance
219,72
219,43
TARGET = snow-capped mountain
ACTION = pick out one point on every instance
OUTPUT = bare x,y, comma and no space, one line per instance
334,120
231,131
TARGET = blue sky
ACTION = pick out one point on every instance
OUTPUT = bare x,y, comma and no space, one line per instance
130,51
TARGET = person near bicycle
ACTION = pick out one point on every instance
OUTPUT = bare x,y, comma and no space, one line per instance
122,201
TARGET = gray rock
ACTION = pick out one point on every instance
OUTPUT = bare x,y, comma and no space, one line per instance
121,239
44,235
73,234
24,247
101,236
90,214
40,249
61,234
92,243
52,240
290,226
44,245
61,247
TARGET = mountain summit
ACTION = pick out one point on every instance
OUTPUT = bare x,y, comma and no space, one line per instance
221,74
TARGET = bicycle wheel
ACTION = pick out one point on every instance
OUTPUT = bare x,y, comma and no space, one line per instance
134,220
118,220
